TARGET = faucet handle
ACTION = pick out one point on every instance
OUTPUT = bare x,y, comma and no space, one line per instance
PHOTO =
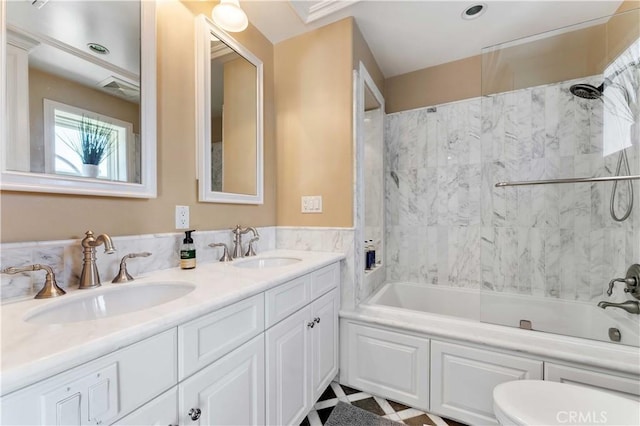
50,288
631,280
225,255
250,250
123,275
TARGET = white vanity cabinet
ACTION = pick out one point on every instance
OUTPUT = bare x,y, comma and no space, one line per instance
100,391
262,360
302,349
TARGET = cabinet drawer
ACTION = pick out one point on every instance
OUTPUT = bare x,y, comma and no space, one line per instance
101,390
623,386
161,411
324,280
282,301
207,338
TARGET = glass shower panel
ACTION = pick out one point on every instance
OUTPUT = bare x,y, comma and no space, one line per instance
562,105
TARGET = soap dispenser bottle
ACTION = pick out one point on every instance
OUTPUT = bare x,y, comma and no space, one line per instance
188,252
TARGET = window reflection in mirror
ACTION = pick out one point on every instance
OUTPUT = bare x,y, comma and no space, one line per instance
73,80
233,121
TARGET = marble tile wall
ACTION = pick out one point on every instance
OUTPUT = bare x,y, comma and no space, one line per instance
65,257
216,166
447,224
327,239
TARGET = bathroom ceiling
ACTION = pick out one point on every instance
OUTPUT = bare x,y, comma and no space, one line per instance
405,36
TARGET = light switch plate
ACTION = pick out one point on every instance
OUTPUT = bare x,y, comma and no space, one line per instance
311,204
182,217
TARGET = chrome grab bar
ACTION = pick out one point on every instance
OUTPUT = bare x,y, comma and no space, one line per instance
567,180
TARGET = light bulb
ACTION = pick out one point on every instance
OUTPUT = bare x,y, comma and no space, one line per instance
229,16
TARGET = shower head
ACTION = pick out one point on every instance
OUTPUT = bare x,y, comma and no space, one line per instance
587,91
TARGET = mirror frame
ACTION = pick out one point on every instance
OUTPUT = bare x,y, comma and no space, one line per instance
204,28
60,184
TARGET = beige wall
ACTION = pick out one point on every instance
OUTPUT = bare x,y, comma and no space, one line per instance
43,85
313,85
32,217
434,85
566,56
623,29
362,52
239,125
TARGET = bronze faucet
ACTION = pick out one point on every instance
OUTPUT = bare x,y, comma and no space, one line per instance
89,278
50,288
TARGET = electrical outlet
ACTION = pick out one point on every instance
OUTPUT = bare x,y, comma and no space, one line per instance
182,217
311,204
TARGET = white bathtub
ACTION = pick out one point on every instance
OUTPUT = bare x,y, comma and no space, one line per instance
426,346
569,318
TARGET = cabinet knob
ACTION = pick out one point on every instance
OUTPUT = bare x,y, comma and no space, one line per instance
310,324
194,413
317,320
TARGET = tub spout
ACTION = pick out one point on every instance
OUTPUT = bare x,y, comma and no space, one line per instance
631,306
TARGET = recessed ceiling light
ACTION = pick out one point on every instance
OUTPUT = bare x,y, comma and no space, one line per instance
474,11
98,48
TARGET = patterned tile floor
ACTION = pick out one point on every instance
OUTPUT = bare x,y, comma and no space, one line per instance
392,410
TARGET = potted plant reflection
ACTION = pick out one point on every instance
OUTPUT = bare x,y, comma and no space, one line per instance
93,142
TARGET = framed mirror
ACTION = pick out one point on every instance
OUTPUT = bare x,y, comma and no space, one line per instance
78,112
229,118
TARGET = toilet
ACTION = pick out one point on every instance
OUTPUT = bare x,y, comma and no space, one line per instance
539,402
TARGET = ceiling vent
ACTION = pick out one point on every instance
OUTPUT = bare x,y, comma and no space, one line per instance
121,89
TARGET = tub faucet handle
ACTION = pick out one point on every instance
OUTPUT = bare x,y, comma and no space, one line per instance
631,280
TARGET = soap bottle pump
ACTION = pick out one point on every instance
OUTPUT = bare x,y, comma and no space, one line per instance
188,252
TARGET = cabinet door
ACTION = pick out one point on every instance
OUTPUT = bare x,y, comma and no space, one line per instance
324,342
288,373
161,411
386,363
228,392
463,378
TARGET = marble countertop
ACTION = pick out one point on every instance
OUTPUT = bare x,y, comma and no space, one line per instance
33,352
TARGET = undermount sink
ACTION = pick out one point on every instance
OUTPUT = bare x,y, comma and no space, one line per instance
266,262
108,302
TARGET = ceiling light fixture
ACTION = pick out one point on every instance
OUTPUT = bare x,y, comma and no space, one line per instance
98,48
229,16
473,12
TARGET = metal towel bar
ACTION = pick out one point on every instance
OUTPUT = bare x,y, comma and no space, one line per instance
568,180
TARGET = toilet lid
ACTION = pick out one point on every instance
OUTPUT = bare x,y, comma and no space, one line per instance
538,402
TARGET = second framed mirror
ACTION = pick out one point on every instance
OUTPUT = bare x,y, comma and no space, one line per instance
229,118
